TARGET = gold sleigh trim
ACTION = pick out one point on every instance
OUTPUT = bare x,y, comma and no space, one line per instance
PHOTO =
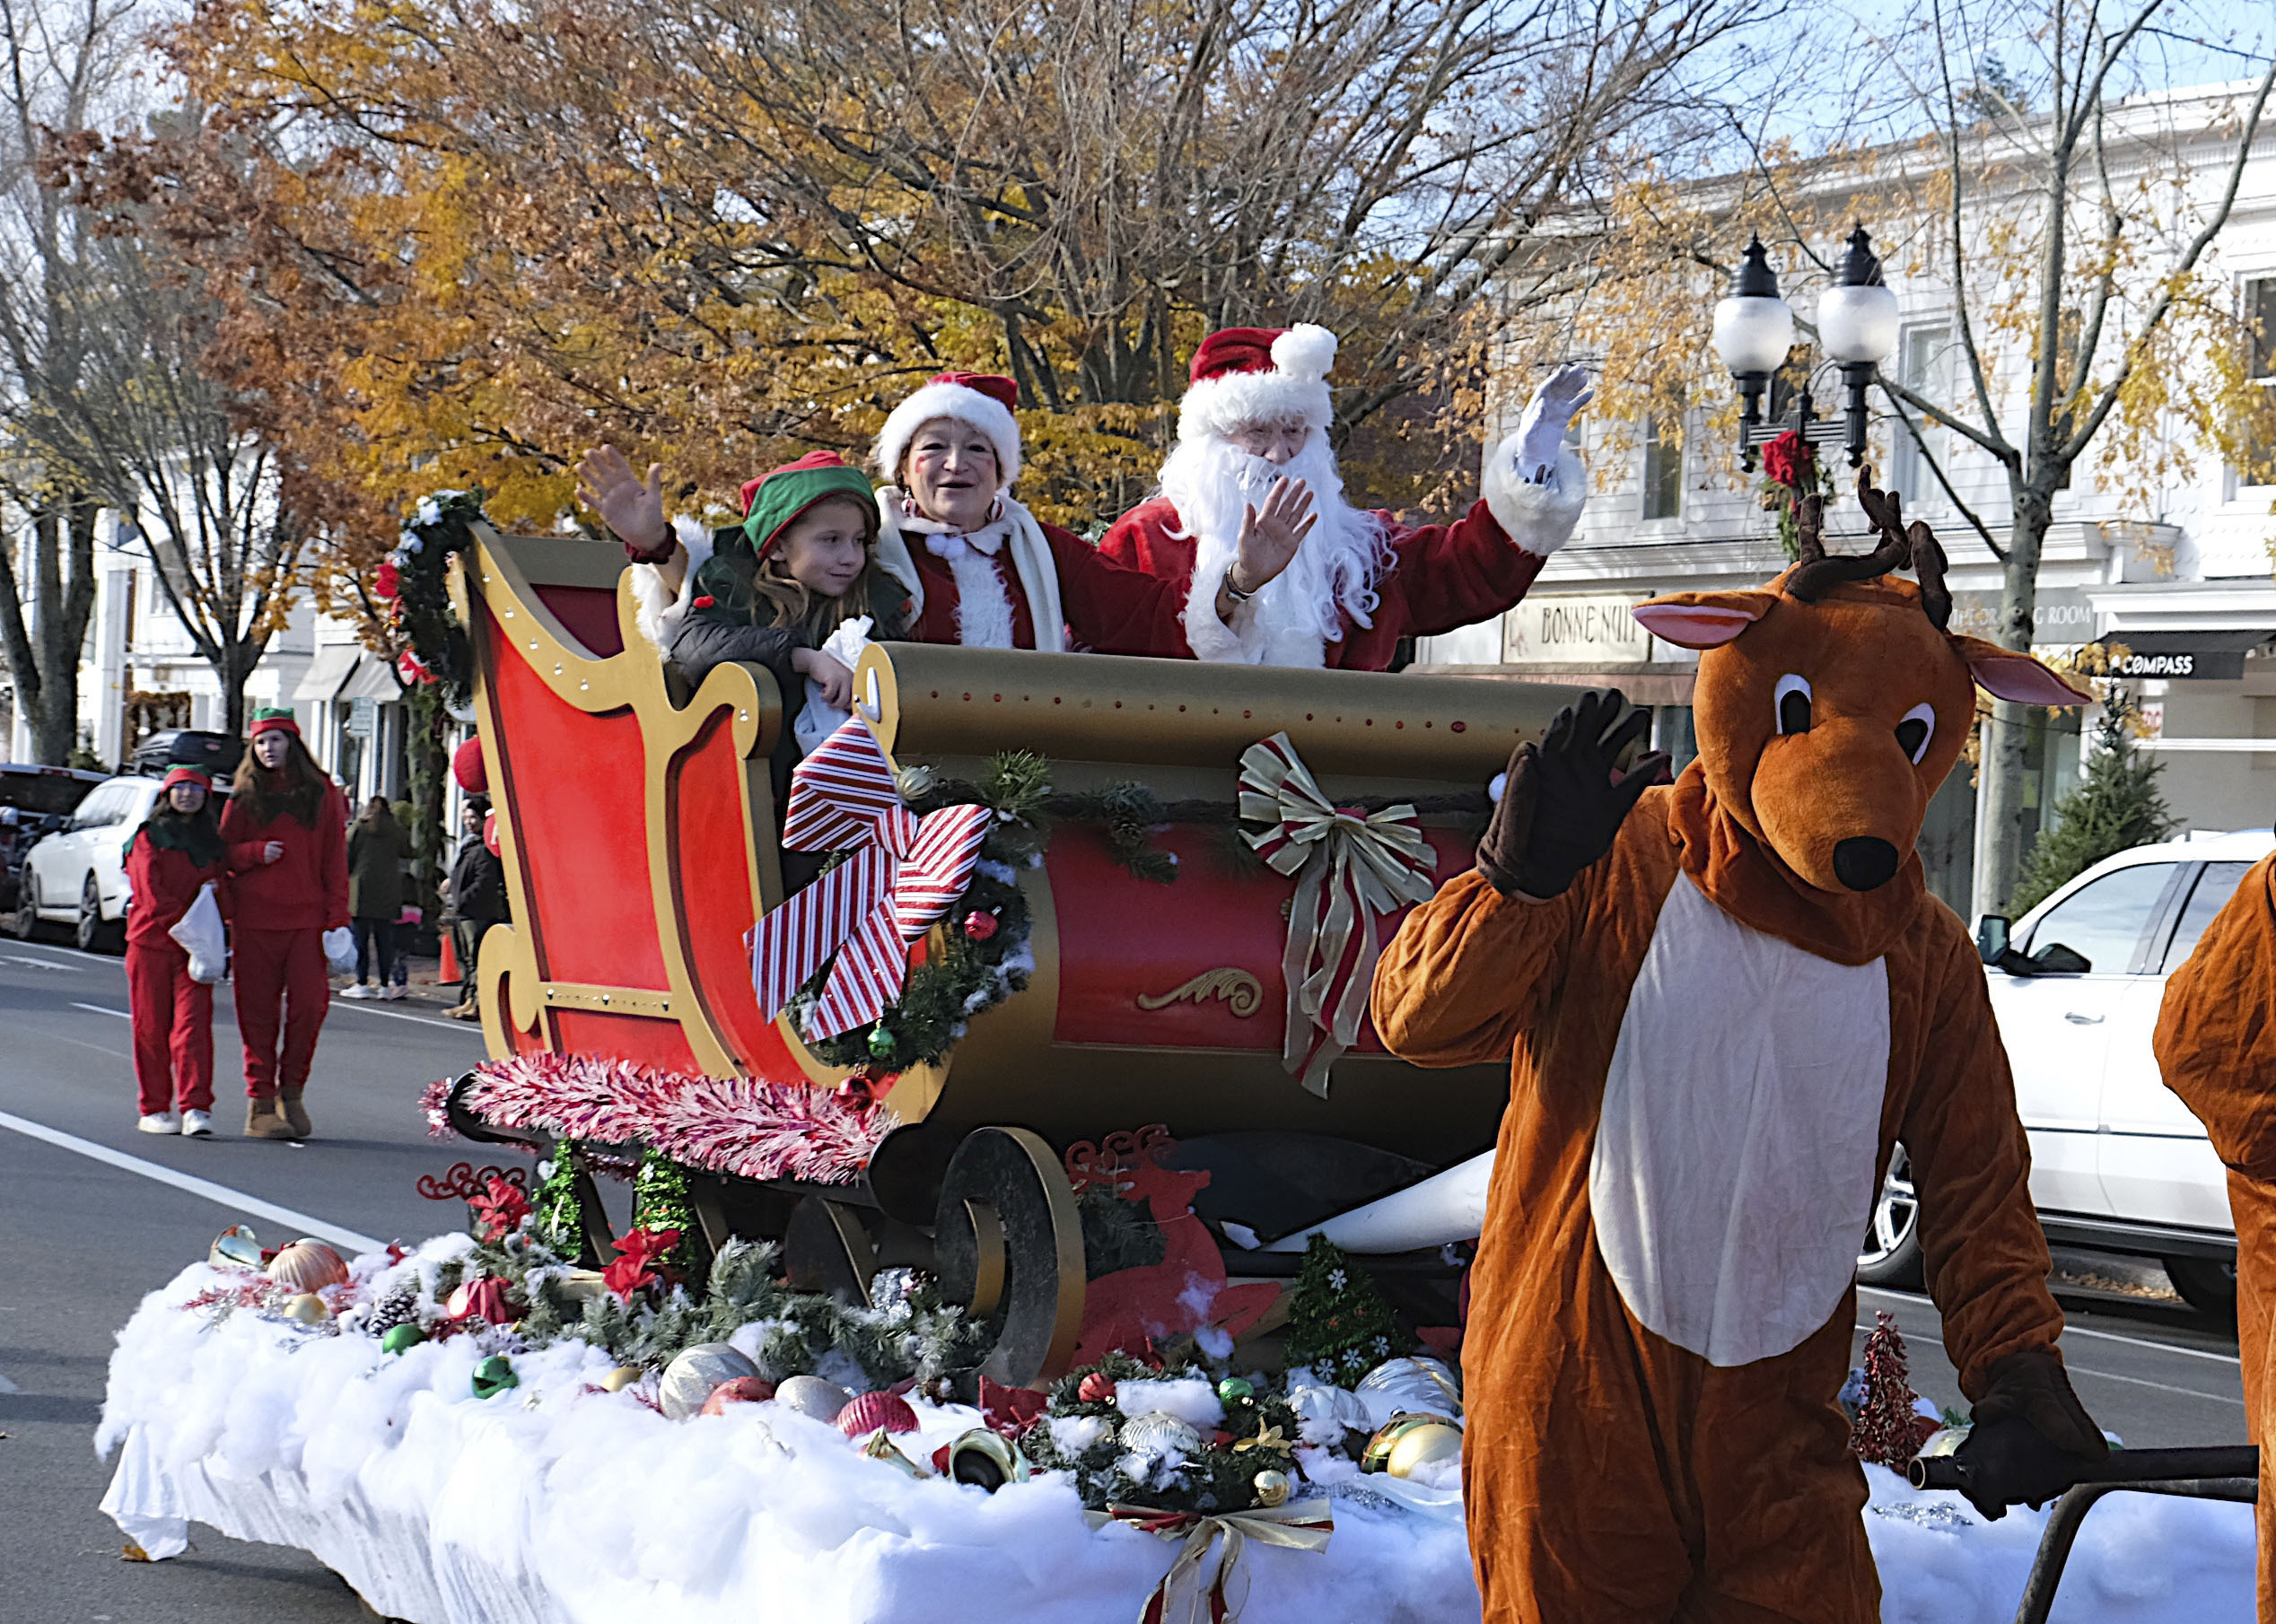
1241,992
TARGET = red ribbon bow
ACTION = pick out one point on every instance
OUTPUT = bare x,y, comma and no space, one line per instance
905,872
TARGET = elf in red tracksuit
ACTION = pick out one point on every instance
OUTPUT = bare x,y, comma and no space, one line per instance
286,828
177,852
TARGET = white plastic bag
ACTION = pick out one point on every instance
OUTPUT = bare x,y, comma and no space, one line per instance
199,931
339,950
820,719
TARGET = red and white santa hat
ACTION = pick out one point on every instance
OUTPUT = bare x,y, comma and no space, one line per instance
981,400
1251,375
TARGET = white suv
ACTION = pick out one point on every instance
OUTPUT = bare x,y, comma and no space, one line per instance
79,872
2118,1164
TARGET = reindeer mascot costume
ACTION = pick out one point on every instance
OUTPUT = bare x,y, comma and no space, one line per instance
1725,1001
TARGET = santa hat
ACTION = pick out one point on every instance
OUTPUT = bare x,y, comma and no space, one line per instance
270,718
1251,375
980,399
771,503
187,775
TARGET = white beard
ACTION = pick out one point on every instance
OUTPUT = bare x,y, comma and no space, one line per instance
1298,612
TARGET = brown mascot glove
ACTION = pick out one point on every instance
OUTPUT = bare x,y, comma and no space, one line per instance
2031,1435
1566,799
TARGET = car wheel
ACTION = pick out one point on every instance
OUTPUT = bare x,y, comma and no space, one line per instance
23,920
90,931
1892,1252
2206,1284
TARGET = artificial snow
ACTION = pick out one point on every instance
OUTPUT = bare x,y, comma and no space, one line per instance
1190,1399
557,1503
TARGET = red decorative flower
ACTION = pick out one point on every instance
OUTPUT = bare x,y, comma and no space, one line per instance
384,581
979,926
501,1208
1788,460
705,601
633,1269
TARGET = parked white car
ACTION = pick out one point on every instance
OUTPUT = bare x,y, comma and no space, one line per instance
78,873
2118,1164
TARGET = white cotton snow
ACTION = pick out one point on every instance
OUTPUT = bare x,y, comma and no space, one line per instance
1193,1400
1073,1435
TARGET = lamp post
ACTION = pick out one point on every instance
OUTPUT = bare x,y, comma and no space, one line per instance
1755,329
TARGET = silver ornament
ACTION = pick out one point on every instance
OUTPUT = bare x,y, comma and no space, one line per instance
1158,1435
810,1395
1410,1386
892,1291
688,1380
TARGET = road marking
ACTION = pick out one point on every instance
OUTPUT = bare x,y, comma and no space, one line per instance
101,1009
236,1201
2135,1381
41,964
2105,1336
74,952
404,1015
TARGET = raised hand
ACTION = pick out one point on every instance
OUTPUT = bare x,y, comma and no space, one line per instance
1566,798
1541,431
633,508
1270,534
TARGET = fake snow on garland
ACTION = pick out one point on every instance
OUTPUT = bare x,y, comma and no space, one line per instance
737,1125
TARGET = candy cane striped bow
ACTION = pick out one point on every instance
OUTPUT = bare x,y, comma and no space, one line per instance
905,872
1351,868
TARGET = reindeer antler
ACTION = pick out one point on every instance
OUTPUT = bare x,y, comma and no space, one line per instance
1900,547
1810,530
1928,563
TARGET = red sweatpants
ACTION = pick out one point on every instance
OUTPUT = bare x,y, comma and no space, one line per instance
275,968
173,1029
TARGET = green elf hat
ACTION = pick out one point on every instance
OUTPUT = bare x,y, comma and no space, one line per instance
270,717
772,502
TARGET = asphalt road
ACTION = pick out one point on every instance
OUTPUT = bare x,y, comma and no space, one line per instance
83,1239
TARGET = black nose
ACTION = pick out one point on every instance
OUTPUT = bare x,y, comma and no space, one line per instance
1862,862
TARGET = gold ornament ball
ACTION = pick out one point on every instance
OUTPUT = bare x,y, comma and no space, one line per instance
307,1265
1406,1442
1272,1488
306,1309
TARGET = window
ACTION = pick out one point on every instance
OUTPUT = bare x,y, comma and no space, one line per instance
1923,364
103,806
1663,473
2104,922
2214,887
2260,311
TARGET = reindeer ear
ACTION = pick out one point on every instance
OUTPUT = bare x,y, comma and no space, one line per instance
1703,620
2005,674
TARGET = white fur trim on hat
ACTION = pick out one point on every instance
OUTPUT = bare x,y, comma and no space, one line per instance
1294,390
934,400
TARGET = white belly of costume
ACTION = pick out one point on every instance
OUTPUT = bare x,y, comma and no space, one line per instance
1732,1178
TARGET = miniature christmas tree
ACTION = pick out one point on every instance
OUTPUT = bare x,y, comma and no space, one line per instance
2116,807
1338,1322
661,1201
1890,1429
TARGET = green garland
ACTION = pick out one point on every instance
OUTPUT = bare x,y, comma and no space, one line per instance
660,1201
1221,1477
418,572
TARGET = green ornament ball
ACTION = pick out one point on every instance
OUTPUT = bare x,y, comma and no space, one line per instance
1235,1390
401,1339
493,1376
881,1041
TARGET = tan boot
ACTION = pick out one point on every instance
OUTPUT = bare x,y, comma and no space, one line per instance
264,1120
296,1113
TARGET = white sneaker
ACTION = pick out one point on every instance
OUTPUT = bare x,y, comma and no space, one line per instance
160,1122
357,991
198,1124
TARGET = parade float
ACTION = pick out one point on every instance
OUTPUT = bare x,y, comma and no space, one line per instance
1022,1221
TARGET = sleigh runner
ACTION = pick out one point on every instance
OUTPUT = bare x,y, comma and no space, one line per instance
1149,980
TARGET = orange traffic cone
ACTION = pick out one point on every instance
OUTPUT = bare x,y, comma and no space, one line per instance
450,970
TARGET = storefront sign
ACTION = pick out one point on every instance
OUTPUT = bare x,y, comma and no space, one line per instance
2182,656
362,718
2060,616
1601,632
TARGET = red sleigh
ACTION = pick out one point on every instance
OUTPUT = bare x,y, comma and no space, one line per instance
637,826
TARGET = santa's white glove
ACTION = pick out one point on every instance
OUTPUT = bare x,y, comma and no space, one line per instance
1541,431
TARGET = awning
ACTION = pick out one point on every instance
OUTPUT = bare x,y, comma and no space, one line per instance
2183,656
371,680
327,672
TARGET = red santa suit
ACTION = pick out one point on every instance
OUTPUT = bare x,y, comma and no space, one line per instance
1360,580
173,1014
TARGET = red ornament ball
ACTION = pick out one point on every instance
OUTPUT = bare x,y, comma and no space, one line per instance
738,1390
470,768
979,927
870,1410
1098,1388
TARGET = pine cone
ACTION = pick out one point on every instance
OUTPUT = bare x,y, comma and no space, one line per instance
398,1306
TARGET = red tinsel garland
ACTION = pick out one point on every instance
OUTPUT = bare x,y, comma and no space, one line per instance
739,1125
1888,1431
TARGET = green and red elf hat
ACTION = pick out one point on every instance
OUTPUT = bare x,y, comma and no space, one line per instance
771,502
272,717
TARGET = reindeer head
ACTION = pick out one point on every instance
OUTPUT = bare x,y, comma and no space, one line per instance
1831,704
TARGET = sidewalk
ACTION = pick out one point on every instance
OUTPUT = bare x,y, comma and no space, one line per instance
424,989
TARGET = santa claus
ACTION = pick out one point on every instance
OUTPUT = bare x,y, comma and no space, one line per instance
1275,568
979,568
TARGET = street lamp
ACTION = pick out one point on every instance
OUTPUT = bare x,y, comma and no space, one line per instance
1755,329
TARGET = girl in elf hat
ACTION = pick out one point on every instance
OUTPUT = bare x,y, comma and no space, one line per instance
177,850
286,830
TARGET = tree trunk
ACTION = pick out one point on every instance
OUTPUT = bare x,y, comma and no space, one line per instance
2000,842
235,666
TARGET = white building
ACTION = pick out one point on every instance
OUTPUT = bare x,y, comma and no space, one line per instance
2188,592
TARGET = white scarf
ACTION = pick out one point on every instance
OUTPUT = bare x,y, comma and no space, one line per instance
984,607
